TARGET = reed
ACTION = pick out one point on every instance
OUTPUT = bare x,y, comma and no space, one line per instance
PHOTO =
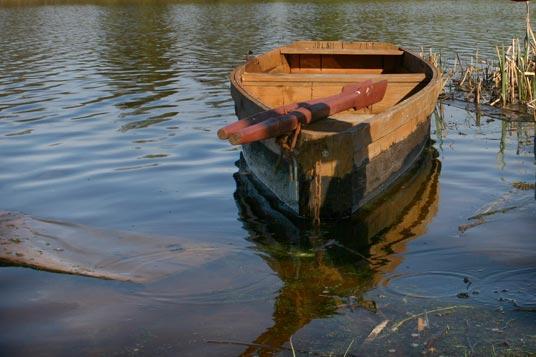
509,80
515,77
436,60
475,80
516,70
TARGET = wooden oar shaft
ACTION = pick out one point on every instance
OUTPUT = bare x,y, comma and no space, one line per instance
352,96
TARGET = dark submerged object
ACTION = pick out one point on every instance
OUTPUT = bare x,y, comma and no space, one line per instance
338,164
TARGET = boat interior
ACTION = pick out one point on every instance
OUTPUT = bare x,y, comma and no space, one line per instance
314,69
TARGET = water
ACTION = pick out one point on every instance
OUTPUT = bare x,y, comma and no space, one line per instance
108,119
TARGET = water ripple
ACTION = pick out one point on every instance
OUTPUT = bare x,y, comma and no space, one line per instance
427,285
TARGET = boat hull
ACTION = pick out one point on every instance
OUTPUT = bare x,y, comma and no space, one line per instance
332,176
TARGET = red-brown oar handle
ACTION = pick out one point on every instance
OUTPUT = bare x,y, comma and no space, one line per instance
268,128
227,131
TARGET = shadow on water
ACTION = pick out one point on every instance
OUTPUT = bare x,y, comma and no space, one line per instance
332,266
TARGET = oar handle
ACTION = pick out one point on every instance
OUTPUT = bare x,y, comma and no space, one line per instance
226,132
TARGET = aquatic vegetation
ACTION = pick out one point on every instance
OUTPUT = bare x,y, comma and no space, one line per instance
509,80
515,76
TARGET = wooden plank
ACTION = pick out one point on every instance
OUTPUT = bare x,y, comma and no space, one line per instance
329,77
318,44
368,45
293,94
265,62
343,51
353,62
270,96
282,93
340,71
320,91
249,84
294,62
349,64
310,63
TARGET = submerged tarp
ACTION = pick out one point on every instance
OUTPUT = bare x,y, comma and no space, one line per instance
77,249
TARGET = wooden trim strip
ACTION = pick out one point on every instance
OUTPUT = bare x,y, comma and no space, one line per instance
330,77
340,51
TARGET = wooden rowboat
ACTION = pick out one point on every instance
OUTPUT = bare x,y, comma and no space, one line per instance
336,165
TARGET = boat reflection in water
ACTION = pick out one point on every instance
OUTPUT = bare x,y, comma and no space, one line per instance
324,267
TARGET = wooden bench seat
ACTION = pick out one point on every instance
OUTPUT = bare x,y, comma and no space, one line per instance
331,78
341,51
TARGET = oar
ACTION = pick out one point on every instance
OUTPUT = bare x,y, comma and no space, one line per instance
225,132
352,96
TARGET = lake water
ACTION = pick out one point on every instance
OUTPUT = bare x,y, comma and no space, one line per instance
108,119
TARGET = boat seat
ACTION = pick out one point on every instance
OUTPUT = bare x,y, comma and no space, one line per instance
332,78
341,51
334,124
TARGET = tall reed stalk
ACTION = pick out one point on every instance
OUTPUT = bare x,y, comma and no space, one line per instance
516,72
509,80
